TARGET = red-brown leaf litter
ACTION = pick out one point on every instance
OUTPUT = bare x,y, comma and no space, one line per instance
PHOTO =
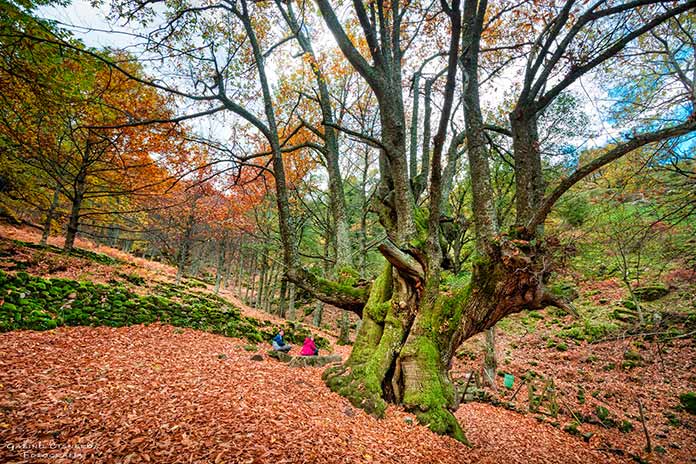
160,394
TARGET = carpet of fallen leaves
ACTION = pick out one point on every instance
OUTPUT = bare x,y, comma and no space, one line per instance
160,394
664,372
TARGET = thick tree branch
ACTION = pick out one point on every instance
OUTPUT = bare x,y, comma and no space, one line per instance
552,300
611,155
402,260
342,296
498,129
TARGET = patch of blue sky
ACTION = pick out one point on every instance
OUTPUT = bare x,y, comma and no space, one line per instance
684,55
683,147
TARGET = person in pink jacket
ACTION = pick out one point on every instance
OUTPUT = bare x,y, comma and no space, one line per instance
309,348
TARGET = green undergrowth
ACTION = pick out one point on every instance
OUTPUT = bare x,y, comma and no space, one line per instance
34,303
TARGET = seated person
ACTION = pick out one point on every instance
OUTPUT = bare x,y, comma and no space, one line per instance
309,348
279,344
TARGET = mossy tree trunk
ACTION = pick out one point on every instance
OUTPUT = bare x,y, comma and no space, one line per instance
410,331
282,307
411,326
291,302
318,313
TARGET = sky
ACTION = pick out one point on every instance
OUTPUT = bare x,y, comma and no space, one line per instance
89,24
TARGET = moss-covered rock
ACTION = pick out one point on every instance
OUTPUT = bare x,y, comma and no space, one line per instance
564,290
625,314
34,303
590,331
650,292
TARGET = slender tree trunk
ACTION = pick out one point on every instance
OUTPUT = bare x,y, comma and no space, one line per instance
271,286
220,268
490,361
229,260
283,298
422,179
283,206
318,313
49,216
238,281
364,211
337,201
262,280
450,169
74,220
291,302
251,284
413,138
344,329
114,231
197,256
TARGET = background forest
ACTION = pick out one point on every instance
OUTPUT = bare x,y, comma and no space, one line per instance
476,204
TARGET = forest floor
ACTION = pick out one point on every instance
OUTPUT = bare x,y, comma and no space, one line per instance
162,394
157,394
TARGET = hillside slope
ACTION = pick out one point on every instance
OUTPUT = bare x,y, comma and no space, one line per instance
173,394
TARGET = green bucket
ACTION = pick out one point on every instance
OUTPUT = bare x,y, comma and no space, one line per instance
509,380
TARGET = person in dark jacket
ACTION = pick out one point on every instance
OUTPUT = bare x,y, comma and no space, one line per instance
279,344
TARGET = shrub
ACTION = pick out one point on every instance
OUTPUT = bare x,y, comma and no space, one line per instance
574,210
688,402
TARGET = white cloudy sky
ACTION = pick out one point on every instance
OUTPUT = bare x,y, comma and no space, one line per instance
90,25
88,22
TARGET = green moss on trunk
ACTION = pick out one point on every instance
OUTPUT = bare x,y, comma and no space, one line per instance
372,327
361,377
427,390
